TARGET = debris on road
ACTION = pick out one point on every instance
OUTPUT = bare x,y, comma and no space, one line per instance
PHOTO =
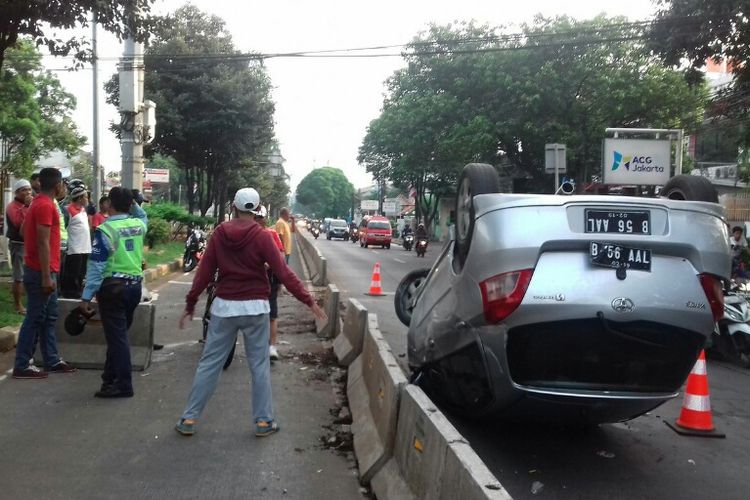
536,487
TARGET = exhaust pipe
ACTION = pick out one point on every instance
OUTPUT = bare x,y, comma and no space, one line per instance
566,188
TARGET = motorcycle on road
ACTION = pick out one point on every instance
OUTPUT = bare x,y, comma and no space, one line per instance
354,234
421,247
315,232
194,247
408,242
731,335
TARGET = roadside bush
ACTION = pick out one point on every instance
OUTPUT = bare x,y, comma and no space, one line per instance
176,216
159,231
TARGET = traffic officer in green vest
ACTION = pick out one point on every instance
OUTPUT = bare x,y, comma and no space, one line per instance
114,275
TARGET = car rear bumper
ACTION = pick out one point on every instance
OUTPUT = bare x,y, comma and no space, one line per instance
582,372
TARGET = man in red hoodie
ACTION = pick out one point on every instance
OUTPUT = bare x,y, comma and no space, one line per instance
239,250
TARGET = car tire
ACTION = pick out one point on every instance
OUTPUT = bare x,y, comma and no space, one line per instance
476,178
691,188
388,247
365,244
405,292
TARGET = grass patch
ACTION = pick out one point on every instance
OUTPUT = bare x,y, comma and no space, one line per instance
8,315
164,253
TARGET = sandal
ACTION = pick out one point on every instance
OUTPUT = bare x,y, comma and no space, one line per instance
263,429
185,429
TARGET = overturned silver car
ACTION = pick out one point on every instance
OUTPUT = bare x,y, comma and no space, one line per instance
587,309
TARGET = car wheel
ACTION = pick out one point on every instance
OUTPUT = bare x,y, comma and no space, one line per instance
405,293
690,187
365,244
476,178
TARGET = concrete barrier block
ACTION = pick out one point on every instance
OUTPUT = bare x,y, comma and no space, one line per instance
150,275
374,385
8,337
428,446
89,349
465,476
316,263
327,329
163,269
348,345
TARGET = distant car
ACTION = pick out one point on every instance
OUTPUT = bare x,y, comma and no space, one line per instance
587,309
375,230
337,228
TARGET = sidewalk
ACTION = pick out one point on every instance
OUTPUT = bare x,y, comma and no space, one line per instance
60,442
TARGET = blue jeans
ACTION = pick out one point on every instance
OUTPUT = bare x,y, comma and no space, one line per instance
117,299
39,323
222,334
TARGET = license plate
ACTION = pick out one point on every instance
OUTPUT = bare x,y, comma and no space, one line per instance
617,221
619,256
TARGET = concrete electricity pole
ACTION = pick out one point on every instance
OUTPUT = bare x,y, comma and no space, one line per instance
133,134
96,188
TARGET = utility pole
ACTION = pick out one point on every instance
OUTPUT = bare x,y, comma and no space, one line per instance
131,116
96,187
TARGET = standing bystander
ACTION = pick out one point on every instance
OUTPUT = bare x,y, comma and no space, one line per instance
15,213
239,250
79,244
114,275
102,214
41,235
285,232
273,298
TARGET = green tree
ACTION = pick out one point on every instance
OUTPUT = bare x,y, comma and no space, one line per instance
214,110
34,111
34,19
326,192
468,93
699,30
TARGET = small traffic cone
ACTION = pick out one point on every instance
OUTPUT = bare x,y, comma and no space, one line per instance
375,287
695,417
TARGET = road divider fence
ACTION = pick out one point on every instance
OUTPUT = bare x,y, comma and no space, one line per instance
316,263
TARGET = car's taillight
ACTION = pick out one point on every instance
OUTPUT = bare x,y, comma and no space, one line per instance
714,293
502,294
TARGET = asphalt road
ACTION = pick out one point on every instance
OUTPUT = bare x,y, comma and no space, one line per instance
642,458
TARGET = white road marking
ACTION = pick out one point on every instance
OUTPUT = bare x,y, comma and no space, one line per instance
375,251
197,318
186,274
3,377
180,282
400,261
9,371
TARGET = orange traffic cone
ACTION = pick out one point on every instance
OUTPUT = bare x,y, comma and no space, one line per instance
375,287
695,417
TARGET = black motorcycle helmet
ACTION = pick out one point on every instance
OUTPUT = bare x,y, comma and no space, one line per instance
75,322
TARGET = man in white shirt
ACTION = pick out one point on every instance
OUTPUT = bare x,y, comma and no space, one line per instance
79,244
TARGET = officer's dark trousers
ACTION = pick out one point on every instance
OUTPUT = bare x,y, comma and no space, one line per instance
117,300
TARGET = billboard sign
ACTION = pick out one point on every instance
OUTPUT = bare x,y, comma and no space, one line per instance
369,205
554,158
389,207
156,175
637,161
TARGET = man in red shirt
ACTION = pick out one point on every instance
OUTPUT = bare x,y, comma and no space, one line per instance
15,213
42,264
102,214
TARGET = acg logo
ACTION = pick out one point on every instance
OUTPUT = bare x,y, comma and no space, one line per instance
627,160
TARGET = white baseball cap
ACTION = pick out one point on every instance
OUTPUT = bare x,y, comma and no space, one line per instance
261,211
246,199
20,184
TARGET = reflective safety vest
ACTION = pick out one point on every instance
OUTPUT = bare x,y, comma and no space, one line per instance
126,237
63,229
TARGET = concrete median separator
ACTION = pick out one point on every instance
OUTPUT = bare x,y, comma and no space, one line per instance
89,349
431,459
8,337
330,328
314,260
373,388
348,344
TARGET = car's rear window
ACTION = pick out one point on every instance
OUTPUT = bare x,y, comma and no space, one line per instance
379,225
338,223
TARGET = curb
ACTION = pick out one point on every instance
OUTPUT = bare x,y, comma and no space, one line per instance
161,270
8,337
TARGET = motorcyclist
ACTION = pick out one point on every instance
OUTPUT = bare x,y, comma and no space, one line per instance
407,231
421,232
739,248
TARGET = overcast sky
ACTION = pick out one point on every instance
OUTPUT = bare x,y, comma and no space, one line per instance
323,106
